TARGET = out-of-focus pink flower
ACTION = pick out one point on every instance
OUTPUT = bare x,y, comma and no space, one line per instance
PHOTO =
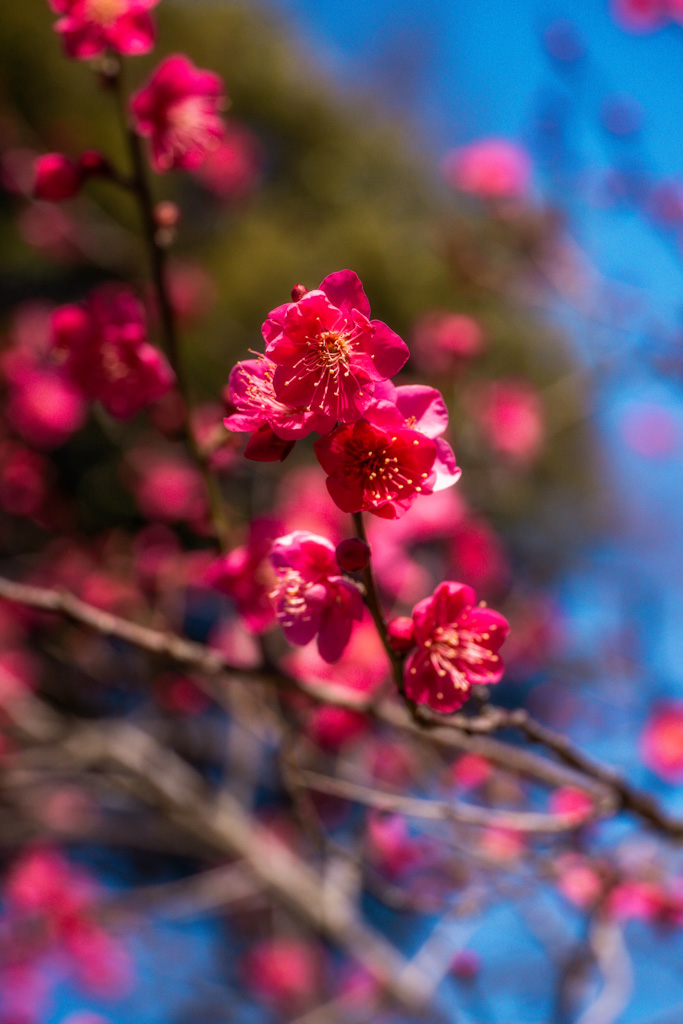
379,467
489,168
443,342
465,965
284,972
56,178
511,414
168,488
232,171
192,289
471,771
635,898
23,479
45,409
646,15
661,744
329,354
311,598
103,347
578,879
391,845
19,674
572,803
478,555
651,430
245,575
458,645
91,27
303,503
251,394
178,109
502,845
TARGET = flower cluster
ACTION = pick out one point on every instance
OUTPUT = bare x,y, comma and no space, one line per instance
103,348
327,367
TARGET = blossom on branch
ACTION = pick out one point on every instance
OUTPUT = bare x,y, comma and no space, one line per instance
103,348
178,109
90,28
329,354
311,598
457,648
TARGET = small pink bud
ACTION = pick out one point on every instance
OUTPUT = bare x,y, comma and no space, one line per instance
93,164
298,292
56,178
353,554
466,965
401,634
167,214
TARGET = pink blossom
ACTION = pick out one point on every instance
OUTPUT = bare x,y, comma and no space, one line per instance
284,972
328,352
379,467
91,27
178,109
579,881
478,555
512,416
661,744
489,168
458,645
245,575
168,488
401,634
572,803
471,771
443,342
250,391
45,409
423,409
646,15
303,503
104,349
56,178
502,845
465,965
232,170
311,598
391,846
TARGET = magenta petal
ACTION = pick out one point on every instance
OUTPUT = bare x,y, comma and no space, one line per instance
133,35
424,407
345,291
445,467
389,351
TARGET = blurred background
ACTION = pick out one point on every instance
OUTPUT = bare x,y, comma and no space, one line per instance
507,182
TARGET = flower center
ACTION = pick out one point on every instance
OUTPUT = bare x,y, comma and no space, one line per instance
380,471
193,123
104,12
289,593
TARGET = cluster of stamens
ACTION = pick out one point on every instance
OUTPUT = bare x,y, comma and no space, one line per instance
104,12
290,589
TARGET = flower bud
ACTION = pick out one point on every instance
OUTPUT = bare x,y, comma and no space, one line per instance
298,292
465,965
56,178
401,634
93,164
353,555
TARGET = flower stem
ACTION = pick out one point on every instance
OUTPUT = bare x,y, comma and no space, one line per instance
139,186
375,608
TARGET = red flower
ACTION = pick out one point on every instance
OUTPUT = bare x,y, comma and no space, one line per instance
310,596
377,468
56,178
103,347
250,391
661,744
489,168
457,648
91,27
329,353
178,110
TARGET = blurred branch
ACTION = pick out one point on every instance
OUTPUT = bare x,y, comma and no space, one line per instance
157,776
614,794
